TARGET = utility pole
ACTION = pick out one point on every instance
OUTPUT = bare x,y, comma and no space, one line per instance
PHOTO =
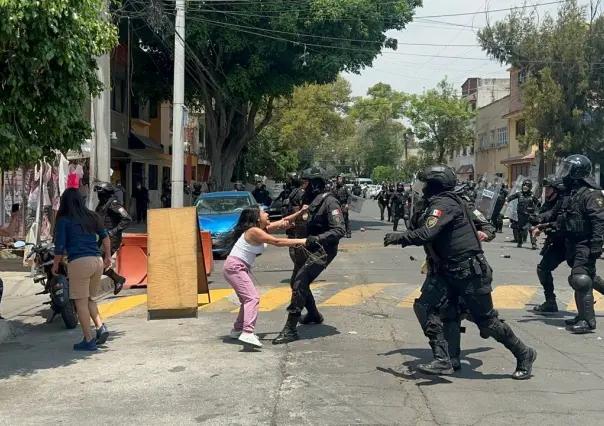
100,147
178,148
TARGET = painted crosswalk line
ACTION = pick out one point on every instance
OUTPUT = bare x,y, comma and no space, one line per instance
277,297
355,295
598,298
505,297
512,296
410,299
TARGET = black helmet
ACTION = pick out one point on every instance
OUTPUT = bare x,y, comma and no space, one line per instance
527,182
439,174
548,182
400,186
575,167
104,188
315,173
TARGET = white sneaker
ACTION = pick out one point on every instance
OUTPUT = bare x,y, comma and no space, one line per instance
250,339
235,334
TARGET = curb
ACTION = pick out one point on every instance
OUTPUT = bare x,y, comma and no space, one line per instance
8,330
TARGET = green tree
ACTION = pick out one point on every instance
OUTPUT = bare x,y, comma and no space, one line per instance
441,120
381,134
383,173
243,58
47,52
562,93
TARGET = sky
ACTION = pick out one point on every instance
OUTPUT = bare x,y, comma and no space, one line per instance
405,71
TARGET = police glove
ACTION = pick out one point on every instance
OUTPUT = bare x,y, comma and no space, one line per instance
311,240
392,238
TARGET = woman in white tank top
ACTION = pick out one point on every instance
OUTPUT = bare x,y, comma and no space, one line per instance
249,238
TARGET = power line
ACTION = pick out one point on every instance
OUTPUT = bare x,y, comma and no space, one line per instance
302,43
261,4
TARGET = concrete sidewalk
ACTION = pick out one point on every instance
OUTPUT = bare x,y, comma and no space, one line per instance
20,306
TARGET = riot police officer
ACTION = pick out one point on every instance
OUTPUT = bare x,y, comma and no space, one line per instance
554,251
383,198
357,191
342,194
497,217
116,220
453,246
323,227
581,222
471,190
398,200
527,205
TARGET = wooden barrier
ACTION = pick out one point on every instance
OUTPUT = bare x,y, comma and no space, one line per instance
175,263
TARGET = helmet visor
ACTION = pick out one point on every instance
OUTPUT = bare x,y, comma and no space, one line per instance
563,170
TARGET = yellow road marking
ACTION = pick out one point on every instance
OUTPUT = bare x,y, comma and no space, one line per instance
598,298
123,304
409,300
355,295
512,296
279,296
215,296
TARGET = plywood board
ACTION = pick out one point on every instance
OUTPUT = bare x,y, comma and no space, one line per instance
173,252
202,276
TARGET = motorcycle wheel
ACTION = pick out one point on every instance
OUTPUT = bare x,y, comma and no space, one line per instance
69,315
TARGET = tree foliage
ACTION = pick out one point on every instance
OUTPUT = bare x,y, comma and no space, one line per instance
379,129
383,174
562,57
244,57
441,120
47,52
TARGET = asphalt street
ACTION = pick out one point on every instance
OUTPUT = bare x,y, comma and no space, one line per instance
356,368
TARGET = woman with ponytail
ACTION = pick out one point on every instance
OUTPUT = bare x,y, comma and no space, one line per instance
248,239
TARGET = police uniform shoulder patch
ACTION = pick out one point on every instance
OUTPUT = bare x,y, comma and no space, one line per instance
600,202
431,221
337,216
123,211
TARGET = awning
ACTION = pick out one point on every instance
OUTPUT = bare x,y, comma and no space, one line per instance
466,169
136,141
519,159
513,114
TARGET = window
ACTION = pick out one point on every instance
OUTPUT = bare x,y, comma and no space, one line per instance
482,141
472,150
492,138
520,128
153,177
521,77
502,136
464,151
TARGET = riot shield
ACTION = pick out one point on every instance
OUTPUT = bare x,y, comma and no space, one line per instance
486,195
511,209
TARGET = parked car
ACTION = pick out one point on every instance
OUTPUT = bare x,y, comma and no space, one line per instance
218,213
274,210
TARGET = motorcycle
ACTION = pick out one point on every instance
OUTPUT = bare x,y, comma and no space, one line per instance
56,286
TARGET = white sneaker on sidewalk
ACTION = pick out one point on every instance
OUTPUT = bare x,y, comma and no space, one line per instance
250,339
235,334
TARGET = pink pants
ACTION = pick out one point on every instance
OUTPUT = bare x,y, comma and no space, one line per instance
237,274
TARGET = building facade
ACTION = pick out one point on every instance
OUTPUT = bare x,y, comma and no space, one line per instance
479,92
492,143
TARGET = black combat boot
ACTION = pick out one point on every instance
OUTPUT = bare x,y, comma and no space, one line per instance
348,234
289,333
525,356
312,317
441,365
576,318
452,331
118,280
549,306
587,315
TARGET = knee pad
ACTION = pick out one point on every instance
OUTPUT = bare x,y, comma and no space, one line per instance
494,327
580,282
420,312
